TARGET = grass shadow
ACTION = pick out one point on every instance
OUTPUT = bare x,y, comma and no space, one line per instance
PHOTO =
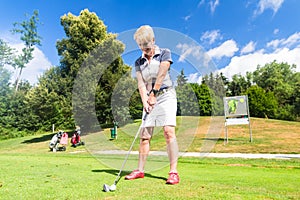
43,138
213,139
124,173
221,139
39,139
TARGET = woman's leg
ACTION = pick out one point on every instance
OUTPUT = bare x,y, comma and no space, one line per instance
144,147
143,153
172,147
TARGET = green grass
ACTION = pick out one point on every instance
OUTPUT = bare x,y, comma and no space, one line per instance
30,171
76,176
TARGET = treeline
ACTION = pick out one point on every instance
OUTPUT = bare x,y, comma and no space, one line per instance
93,86
273,91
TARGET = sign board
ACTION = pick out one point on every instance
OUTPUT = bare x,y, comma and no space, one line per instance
236,111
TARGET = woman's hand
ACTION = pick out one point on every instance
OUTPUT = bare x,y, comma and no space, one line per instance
147,108
151,100
149,104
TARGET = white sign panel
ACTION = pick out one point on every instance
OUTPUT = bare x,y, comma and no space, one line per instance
236,112
236,106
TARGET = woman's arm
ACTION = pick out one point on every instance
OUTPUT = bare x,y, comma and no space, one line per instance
143,92
163,70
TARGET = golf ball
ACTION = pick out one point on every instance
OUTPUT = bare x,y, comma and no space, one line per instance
113,187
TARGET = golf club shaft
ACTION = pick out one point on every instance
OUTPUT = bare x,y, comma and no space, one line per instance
129,151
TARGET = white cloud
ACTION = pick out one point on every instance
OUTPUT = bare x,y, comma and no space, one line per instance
213,5
34,68
195,55
274,43
268,4
291,41
276,31
284,50
250,47
227,49
211,36
186,18
201,3
249,62
187,50
194,78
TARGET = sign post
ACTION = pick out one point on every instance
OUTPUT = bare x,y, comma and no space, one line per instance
236,110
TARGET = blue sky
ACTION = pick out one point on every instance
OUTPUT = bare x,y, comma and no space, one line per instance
237,35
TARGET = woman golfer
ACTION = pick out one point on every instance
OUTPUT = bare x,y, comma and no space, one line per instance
159,100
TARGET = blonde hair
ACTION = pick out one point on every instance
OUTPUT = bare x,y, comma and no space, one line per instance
144,34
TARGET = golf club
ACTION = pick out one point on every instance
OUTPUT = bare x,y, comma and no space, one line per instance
113,187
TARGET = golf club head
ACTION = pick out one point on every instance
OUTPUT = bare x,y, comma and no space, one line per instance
106,188
113,187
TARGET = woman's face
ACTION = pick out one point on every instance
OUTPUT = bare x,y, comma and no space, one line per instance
147,48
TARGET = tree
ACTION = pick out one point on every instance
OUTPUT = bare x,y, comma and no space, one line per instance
277,78
6,53
239,84
261,103
187,102
18,115
281,79
92,66
217,84
205,101
181,79
5,92
49,102
296,95
30,37
83,34
126,103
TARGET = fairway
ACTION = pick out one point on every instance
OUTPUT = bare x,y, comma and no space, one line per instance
30,171
70,176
